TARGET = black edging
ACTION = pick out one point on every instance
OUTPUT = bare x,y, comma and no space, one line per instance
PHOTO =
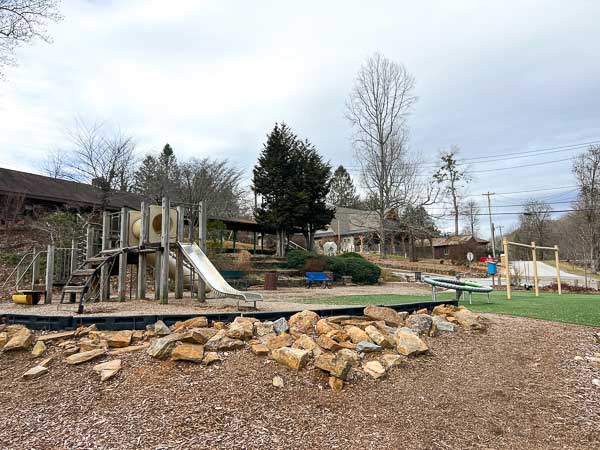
139,322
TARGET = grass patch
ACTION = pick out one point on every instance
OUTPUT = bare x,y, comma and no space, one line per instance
582,309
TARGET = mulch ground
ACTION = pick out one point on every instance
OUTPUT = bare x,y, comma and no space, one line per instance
515,386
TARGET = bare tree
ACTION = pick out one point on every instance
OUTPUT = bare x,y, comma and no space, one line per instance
23,21
54,164
586,169
11,205
535,221
101,156
378,107
452,177
470,212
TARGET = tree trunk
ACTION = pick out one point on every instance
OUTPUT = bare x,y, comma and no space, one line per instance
382,251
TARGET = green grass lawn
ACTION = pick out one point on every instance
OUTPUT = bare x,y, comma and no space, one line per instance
571,308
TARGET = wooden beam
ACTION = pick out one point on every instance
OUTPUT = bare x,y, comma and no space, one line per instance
557,259
142,256
49,274
104,274
179,253
35,269
164,244
507,268
123,242
202,224
535,271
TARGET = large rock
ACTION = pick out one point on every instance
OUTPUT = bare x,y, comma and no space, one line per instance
443,310
188,352
108,369
409,344
388,315
274,342
161,329
119,338
86,345
323,326
241,328
260,349
351,356
338,335
3,339
327,343
38,349
200,335
280,325
421,323
336,384
294,358
390,360
161,348
84,331
35,372
441,325
467,319
21,340
334,364
211,358
367,347
303,322
79,358
357,335
221,342
374,369
378,337
305,342
263,328
194,322
360,323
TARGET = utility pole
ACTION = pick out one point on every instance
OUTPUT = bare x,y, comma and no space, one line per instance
501,234
492,236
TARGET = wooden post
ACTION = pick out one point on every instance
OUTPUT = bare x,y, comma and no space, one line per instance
179,262
557,259
73,256
49,274
202,224
157,264
35,269
164,244
89,242
507,268
142,256
123,240
104,274
535,272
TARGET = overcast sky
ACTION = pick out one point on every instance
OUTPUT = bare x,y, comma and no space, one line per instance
212,77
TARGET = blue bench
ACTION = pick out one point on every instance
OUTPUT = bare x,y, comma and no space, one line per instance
317,277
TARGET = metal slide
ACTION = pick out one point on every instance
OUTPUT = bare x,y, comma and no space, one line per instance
211,276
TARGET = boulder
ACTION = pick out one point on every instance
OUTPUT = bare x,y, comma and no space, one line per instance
357,335
441,325
35,372
277,381
3,339
260,349
280,325
303,322
161,348
38,349
327,343
323,326
374,369
334,364
338,335
108,369
86,345
118,338
161,329
367,347
294,358
305,342
443,310
360,323
188,352
409,344
20,340
351,356
263,328
210,358
390,360
194,322
138,335
467,319
201,335
388,315
219,325
79,358
283,340
336,384
379,338
241,328
421,323
221,342
422,311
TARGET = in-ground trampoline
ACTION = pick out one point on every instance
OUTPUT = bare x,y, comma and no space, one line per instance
458,285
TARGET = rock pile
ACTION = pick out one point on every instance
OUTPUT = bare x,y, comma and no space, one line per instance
345,348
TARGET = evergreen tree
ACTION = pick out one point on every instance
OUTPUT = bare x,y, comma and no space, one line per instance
157,176
343,192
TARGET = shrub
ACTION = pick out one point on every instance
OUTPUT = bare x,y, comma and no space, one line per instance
296,259
350,255
362,271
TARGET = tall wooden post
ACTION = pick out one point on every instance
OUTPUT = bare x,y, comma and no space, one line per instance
202,224
49,274
89,242
142,256
164,244
73,255
123,241
507,268
35,269
179,262
535,271
557,259
104,274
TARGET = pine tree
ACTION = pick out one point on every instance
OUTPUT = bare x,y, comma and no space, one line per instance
343,192
158,176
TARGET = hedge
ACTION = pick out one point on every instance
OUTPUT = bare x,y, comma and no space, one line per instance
361,270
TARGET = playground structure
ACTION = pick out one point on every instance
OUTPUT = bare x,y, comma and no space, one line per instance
458,286
155,237
506,262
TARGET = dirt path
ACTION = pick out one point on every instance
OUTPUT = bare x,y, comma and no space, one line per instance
515,386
